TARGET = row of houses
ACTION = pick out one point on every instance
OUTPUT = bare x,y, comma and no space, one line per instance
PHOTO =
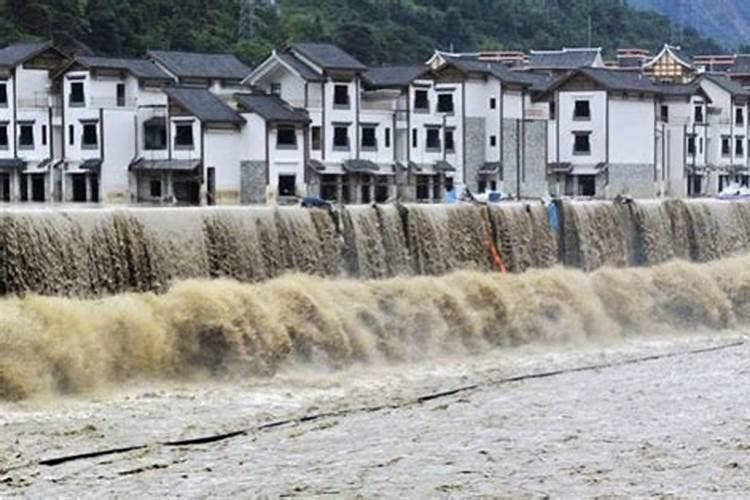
190,128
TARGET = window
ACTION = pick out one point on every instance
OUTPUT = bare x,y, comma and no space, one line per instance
155,135
77,96
421,101
587,185
698,114
287,185
276,89
369,141
387,137
691,144
3,137
725,148
286,137
581,143
382,189
315,138
445,103
664,115
3,95
423,188
493,141
433,138
121,94
44,135
341,137
26,137
183,136
552,110
341,96
493,103
90,138
739,146
414,138
71,135
582,110
154,188
450,146
739,116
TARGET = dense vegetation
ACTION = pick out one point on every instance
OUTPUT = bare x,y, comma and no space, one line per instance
377,31
727,21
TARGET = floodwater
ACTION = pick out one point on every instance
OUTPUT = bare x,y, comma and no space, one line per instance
629,422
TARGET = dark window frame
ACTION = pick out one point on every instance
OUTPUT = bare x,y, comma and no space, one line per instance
77,97
341,98
26,140
285,189
582,110
421,101
150,132
433,141
180,138
286,137
316,138
577,149
90,136
445,103
338,144
369,138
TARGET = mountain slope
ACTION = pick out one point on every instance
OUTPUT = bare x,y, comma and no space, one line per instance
376,31
726,21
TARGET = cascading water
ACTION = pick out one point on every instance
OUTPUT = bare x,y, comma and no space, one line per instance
101,296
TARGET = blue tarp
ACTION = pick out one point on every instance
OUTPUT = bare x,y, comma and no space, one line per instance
554,216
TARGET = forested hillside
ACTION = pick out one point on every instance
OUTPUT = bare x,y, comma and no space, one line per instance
376,31
727,21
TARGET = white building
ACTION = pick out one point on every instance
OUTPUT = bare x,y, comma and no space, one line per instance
602,135
351,147
105,101
30,121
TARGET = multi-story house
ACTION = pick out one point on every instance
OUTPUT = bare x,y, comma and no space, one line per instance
104,100
192,153
501,129
602,133
274,149
727,123
30,149
426,127
350,151
682,139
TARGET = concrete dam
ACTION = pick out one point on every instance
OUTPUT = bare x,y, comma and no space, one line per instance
99,297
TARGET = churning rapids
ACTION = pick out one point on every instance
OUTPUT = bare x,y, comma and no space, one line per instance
97,297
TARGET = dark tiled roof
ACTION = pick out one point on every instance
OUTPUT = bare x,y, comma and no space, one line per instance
139,68
444,166
93,164
563,59
682,89
538,81
494,68
11,164
271,108
196,65
623,80
305,71
328,57
725,83
174,165
741,65
360,166
18,53
394,76
204,105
